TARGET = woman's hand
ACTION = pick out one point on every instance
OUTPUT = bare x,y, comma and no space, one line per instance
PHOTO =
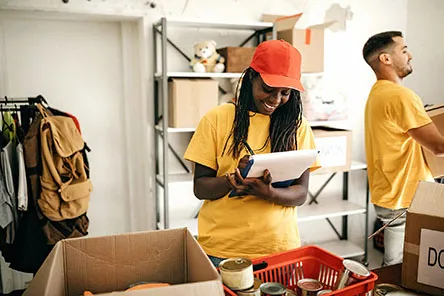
260,187
235,179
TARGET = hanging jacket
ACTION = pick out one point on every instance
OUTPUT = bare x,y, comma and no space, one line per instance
37,234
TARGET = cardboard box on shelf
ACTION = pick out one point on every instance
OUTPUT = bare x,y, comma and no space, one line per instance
110,264
237,59
423,263
334,147
189,100
309,41
436,164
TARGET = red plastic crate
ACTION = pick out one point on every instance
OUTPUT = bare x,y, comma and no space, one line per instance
313,262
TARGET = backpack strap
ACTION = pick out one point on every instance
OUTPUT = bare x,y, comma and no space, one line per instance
42,110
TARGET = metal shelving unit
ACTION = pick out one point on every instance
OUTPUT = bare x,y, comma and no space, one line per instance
327,210
257,32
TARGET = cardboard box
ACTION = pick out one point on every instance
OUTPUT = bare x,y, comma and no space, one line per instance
309,41
334,147
237,59
423,263
109,264
436,164
189,100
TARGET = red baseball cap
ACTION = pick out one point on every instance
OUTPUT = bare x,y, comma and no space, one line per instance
279,64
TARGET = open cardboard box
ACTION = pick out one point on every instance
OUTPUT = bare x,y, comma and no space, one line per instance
423,264
436,164
309,41
108,265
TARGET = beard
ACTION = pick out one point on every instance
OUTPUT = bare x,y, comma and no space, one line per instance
405,72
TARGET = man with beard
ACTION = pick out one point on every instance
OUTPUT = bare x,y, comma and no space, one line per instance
396,126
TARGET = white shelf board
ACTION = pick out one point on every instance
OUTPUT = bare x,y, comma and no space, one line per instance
235,75
328,209
199,75
215,25
330,123
357,165
177,129
176,178
342,248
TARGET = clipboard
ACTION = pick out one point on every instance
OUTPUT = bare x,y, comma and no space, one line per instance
284,167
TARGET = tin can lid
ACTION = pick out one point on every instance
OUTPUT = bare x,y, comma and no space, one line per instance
271,288
356,268
323,292
235,264
311,285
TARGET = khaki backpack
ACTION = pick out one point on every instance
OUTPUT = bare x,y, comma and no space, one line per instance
65,185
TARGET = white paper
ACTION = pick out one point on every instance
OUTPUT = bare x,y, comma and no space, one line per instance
283,166
431,258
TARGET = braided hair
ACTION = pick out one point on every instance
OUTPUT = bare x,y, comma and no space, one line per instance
284,123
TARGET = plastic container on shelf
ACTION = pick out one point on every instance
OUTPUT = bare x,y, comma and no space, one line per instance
313,262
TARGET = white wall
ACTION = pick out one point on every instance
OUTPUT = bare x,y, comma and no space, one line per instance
425,42
344,66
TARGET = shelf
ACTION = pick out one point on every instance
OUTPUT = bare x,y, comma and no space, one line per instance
329,123
357,165
328,210
177,129
235,75
342,248
198,75
176,178
215,25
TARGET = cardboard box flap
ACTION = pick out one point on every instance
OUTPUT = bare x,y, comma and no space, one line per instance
321,26
212,288
287,22
50,276
428,199
270,18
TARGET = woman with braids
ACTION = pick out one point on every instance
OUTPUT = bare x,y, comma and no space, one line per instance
267,117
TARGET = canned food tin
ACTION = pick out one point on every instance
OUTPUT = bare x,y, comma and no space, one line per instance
353,272
237,273
253,291
309,287
290,293
273,289
386,289
323,292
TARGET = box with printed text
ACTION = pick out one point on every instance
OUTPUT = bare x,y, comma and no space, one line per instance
423,265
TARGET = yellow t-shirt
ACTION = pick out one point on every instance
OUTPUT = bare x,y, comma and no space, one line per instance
395,160
244,226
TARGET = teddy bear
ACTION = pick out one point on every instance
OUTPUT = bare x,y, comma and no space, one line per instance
206,58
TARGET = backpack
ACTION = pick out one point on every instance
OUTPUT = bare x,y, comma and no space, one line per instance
65,183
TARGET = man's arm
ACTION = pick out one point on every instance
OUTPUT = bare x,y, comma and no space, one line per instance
429,137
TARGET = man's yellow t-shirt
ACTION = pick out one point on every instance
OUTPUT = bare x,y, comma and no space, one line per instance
244,226
394,159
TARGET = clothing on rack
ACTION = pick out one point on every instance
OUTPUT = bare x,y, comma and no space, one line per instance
34,234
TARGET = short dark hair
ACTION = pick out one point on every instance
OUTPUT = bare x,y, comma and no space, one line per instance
379,42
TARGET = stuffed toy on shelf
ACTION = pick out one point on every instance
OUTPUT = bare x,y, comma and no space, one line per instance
206,58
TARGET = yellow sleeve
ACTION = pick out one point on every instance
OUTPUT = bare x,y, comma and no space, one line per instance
305,140
407,111
202,147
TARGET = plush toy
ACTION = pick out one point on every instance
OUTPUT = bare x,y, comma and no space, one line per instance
206,58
